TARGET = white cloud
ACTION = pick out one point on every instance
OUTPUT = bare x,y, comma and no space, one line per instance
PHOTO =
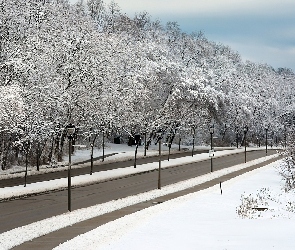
277,57
206,7
260,31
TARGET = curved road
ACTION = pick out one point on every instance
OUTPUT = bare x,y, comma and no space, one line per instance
15,213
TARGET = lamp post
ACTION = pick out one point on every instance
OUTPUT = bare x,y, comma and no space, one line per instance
145,146
159,133
179,142
26,147
194,133
169,135
237,138
144,143
103,131
136,148
91,159
266,129
285,136
179,139
211,133
70,133
245,133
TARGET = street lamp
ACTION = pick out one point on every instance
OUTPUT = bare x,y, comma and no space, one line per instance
91,159
285,136
237,137
70,132
194,133
159,134
179,138
266,129
26,147
103,131
245,133
137,140
168,139
145,146
211,133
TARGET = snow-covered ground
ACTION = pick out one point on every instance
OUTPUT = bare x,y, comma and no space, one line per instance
205,203
205,220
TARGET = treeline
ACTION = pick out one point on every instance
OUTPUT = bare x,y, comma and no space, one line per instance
101,70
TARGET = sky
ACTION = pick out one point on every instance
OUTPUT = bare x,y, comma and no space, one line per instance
261,31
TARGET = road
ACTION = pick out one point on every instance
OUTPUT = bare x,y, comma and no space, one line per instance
23,211
102,166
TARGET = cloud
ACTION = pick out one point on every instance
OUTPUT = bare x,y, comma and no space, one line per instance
208,7
277,57
261,31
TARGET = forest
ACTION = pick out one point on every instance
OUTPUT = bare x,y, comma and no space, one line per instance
93,66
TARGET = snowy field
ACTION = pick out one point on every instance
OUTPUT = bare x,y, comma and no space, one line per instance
194,207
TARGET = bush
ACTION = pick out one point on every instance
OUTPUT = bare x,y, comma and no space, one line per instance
253,205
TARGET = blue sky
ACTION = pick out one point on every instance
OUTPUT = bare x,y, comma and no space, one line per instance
262,31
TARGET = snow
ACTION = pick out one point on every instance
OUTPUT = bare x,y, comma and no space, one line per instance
207,208
202,220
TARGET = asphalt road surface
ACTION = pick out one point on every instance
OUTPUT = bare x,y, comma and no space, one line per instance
19,212
102,166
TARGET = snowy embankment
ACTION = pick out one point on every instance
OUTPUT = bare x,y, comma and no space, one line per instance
19,235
